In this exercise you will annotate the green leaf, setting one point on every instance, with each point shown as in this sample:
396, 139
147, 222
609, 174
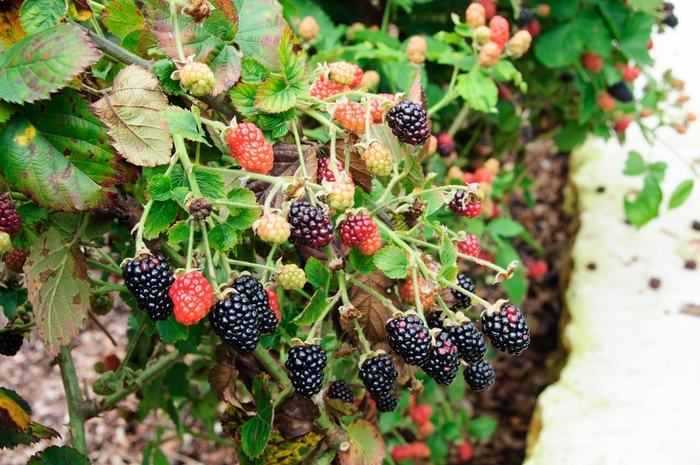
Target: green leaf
646, 205
317, 273
313, 310
158, 187
571, 136
56, 455
58, 288
177, 380
132, 113
515, 287
244, 219
587, 104
223, 237
240, 195
275, 123
680, 194
256, 431
657, 170
171, 331
159, 458
179, 232
253, 72
292, 60
598, 39
564, 9
36, 66
361, 262
163, 69
10, 299
448, 252
183, 122
647, 6
504, 227
615, 14
635, 164
211, 184
243, 98
483, 427
161, 216
122, 17
261, 24
227, 69
448, 272
636, 36
275, 95
560, 46
392, 261
37, 15
478, 90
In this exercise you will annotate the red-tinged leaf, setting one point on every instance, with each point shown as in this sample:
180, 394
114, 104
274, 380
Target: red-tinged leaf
121, 17
358, 169
373, 313
260, 31
229, 10
36, 66
366, 445
59, 289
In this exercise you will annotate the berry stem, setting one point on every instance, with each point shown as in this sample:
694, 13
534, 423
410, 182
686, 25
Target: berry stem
363, 340
74, 398
102, 266
106, 288
416, 298
271, 365
247, 174
297, 141
207, 251
386, 15
176, 31
320, 118
132, 345
322, 316
446, 283
268, 262
516, 8
449, 96
476, 260
459, 119
450, 314
228, 203
374, 294
249, 264
190, 247
149, 374
334, 164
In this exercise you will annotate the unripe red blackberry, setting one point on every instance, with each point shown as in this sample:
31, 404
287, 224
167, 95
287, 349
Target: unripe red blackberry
378, 375
10, 221
470, 342
360, 231
251, 288
305, 366
469, 246
149, 281
480, 376
340, 390
409, 338
506, 329
409, 123
10, 343
443, 362
235, 321
309, 225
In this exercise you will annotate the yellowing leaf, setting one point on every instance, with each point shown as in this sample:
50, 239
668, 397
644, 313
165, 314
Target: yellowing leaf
132, 113
10, 26
58, 288
366, 445
13, 416
15, 425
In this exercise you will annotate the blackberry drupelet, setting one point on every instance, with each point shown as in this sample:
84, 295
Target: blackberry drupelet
251, 288
463, 301
443, 363
10, 221
507, 330
525, 18
235, 321
340, 390
480, 376
305, 366
387, 404
470, 342
10, 343
309, 225
435, 320
409, 338
378, 375
149, 280
409, 123
621, 92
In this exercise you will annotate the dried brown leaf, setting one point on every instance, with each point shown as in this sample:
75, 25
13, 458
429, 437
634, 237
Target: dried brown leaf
691, 309
360, 174
222, 377
373, 313
296, 416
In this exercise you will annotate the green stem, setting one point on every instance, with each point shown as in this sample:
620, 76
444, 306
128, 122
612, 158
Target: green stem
319, 117
176, 31
443, 102
105, 288
302, 162
269, 261
416, 298
74, 399
207, 252
459, 119
322, 316
457, 288
476, 260
246, 174
386, 15
190, 248
102, 266
283, 395
148, 375
361, 336
450, 314
271, 365
229, 203
250, 264
132, 345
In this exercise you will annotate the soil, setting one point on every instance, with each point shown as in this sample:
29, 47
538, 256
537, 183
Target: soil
33, 374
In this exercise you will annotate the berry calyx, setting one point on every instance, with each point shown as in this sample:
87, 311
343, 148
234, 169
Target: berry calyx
309, 225
197, 78
409, 123
360, 231
149, 280
465, 208
10, 221
192, 295
378, 159
248, 145
506, 329
408, 337
273, 228
305, 367
469, 246
352, 116
291, 277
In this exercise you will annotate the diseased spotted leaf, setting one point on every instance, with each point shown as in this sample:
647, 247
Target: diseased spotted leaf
366, 445
58, 288
36, 66
132, 113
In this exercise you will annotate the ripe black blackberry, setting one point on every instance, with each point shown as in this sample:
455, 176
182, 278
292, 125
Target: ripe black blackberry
435, 320
480, 376
378, 375
387, 404
309, 225
409, 338
340, 390
251, 288
10, 343
10, 221
506, 329
470, 342
443, 363
621, 92
149, 280
671, 20
526, 17
305, 367
235, 321
409, 122
463, 301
